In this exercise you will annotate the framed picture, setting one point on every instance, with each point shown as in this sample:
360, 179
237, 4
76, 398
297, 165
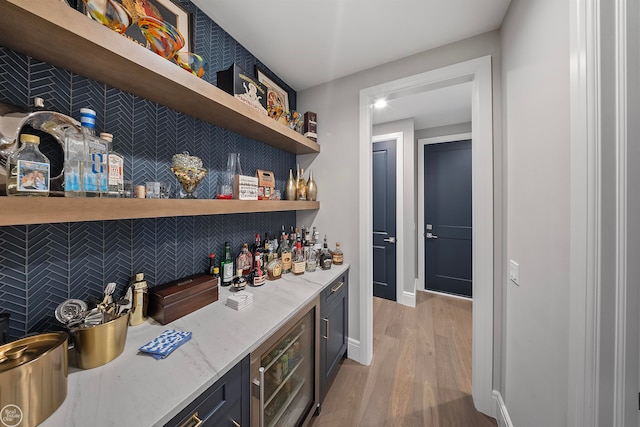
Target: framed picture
165, 10
276, 96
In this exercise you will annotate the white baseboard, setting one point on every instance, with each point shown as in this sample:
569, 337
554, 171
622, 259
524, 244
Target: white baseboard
501, 412
353, 350
408, 299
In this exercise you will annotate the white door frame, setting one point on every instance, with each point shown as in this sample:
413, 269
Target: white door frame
477, 71
421, 226
398, 137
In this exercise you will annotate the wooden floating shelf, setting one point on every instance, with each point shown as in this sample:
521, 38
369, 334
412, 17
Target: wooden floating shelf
45, 210
51, 32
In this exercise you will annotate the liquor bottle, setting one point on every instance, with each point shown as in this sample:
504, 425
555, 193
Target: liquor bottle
274, 269
257, 250
212, 264
325, 256
28, 169
244, 261
227, 265
284, 253
337, 257
115, 164
298, 263
259, 275
73, 163
95, 156
311, 258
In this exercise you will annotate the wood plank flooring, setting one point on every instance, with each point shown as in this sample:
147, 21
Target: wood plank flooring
420, 375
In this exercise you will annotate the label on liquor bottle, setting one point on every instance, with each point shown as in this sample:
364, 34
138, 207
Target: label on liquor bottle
298, 267
116, 170
337, 259
33, 177
227, 273
286, 261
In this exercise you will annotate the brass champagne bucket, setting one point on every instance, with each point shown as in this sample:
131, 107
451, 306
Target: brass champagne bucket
33, 378
97, 345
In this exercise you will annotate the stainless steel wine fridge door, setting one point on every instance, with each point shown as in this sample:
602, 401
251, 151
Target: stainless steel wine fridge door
285, 373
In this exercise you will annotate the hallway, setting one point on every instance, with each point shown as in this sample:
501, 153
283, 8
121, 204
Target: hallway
420, 374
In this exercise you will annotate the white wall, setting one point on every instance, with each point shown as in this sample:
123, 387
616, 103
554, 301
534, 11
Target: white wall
443, 130
336, 169
535, 83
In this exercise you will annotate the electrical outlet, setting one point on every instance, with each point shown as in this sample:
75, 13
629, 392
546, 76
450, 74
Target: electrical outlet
514, 272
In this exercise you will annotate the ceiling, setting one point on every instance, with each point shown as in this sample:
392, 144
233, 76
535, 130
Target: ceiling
439, 107
310, 42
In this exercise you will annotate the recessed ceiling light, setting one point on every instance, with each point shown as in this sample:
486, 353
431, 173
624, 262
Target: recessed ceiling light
380, 103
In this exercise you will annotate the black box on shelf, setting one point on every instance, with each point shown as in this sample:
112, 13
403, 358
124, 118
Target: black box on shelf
243, 86
310, 127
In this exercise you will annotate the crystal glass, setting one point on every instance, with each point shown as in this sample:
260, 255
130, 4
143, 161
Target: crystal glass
109, 13
189, 178
164, 39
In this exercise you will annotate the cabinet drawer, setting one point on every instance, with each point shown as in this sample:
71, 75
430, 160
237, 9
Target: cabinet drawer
335, 290
218, 402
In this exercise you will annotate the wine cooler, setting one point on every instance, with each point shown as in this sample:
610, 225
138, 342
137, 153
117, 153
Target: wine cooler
285, 373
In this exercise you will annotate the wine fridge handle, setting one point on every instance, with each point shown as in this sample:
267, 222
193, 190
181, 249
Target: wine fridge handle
326, 328
261, 370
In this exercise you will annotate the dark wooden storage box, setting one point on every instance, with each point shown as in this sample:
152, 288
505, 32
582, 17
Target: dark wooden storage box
171, 301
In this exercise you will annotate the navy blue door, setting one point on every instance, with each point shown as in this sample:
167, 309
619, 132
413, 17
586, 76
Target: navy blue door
384, 219
447, 211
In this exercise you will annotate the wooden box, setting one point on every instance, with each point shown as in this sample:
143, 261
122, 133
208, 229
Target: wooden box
245, 187
310, 126
171, 301
266, 184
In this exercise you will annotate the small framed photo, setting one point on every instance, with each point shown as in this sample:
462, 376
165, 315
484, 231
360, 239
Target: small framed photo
276, 96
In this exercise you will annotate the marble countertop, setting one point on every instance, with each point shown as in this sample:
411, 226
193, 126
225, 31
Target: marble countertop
137, 390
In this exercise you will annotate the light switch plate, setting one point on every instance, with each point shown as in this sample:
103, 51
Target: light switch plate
514, 272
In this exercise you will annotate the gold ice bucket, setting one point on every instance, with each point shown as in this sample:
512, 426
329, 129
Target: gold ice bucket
33, 379
97, 345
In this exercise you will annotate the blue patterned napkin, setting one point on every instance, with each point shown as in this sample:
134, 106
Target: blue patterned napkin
162, 346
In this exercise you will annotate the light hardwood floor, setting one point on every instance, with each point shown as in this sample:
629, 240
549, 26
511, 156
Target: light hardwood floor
420, 374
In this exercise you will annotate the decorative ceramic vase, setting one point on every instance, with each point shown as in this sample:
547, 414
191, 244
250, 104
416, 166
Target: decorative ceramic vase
312, 188
291, 189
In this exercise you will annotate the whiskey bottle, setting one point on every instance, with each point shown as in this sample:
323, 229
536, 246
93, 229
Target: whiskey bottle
284, 253
337, 256
28, 169
115, 166
325, 256
244, 261
298, 264
226, 264
258, 250
259, 275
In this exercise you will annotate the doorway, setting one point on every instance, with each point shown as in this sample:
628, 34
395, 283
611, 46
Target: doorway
445, 214
477, 71
384, 219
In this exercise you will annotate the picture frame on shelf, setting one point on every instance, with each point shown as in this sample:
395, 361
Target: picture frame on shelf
276, 96
167, 10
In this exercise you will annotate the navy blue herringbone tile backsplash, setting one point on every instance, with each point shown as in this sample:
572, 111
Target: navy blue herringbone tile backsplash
42, 265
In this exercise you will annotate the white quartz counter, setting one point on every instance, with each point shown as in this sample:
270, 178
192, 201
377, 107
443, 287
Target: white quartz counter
137, 390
